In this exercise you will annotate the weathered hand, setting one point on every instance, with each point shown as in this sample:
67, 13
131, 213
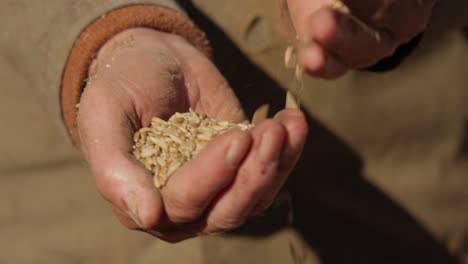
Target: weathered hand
357, 35
143, 73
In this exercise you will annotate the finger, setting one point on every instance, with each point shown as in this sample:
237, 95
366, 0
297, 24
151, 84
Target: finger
312, 58
208, 90
317, 62
255, 176
402, 19
106, 136
295, 123
354, 43
191, 189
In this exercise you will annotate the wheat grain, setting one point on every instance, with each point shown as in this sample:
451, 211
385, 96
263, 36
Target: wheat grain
166, 146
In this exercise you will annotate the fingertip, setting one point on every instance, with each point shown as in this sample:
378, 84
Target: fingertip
317, 62
312, 59
294, 120
293, 113
297, 129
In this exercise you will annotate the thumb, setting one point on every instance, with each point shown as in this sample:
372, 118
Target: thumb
106, 134
209, 91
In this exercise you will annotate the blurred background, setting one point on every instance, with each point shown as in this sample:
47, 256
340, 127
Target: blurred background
383, 177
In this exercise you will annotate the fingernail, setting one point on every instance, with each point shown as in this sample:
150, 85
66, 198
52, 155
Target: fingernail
132, 208
236, 151
266, 150
155, 233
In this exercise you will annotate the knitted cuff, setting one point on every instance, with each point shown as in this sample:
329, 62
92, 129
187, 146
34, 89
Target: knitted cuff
104, 28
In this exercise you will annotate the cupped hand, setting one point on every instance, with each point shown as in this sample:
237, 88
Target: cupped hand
142, 73
334, 37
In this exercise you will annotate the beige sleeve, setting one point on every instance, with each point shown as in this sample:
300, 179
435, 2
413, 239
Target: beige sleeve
54, 41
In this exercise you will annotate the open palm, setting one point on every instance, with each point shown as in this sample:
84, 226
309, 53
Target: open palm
142, 73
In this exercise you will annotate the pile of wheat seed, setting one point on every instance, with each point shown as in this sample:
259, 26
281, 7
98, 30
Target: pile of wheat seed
167, 145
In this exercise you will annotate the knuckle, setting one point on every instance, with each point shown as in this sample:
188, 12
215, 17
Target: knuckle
262, 178
255, 180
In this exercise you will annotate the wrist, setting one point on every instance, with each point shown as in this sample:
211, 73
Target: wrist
136, 43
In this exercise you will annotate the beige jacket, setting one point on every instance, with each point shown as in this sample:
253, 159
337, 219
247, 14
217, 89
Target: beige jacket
382, 180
